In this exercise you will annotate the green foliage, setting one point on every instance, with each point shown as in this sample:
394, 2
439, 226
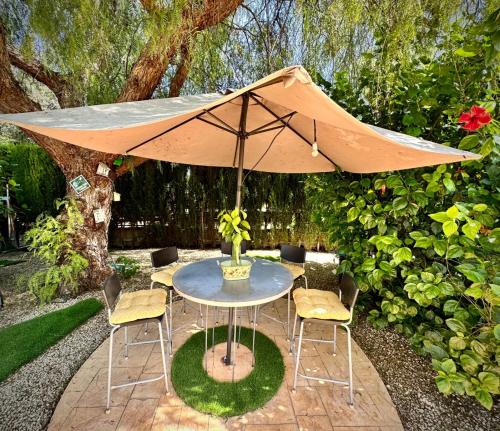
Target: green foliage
126, 266
51, 239
234, 227
424, 242
25, 341
39, 180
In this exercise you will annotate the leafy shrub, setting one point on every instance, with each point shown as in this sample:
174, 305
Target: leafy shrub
126, 266
424, 242
50, 239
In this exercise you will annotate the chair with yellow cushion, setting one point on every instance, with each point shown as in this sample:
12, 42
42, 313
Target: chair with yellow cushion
129, 309
294, 258
165, 263
325, 306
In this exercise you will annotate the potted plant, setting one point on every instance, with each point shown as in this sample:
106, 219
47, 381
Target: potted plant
234, 228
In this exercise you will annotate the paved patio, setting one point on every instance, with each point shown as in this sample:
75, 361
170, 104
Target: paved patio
314, 406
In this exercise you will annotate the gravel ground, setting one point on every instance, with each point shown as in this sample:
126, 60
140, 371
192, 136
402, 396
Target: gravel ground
28, 398
409, 379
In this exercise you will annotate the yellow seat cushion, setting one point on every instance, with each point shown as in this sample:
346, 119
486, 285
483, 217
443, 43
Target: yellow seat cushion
319, 304
165, 275
142, 304
296, 270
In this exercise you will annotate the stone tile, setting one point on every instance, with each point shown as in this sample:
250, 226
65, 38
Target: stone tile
154, 389
278, 427
216, 424
82, 379
93, 418
191, 420
166, 418
223, 373
313, 366
96, 393
358, 429
306, 401
277, 411
66, 404
314, 423
138, 415
363, 413
137, 356
154, 364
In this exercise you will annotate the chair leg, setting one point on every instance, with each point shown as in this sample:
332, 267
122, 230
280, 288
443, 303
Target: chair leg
170, 328
216, 323
297, 359
288, 317
349, 354
110, 360
126, 342
146, 326
334, 340
292, 338
160, 329
206, 339
253, 335
305, 281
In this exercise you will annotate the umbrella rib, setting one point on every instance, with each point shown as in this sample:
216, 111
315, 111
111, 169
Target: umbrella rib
228, 126
260, 129
253, 96
197, 116
217, 125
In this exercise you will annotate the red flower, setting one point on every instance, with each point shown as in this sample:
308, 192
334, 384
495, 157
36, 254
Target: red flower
476, 118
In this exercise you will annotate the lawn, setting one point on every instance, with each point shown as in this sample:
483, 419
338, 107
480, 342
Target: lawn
25, 341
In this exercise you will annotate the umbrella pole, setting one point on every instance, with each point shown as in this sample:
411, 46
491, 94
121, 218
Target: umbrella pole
242, 136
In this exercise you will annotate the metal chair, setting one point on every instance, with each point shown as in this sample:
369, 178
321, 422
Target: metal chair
294, 258
129, 309
227, 247
164, 265
324, 306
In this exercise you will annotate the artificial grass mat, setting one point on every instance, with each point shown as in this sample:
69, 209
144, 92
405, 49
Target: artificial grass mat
25, 341
198, 390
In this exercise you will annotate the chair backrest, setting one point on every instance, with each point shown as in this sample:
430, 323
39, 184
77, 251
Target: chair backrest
164, 257
292, 253
349, 290
112, 289
227, 247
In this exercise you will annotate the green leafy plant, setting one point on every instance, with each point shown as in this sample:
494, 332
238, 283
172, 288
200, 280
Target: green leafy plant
126, 266
423, 243
234, 228
51, 240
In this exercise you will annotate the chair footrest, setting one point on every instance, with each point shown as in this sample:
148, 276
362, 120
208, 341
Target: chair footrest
138, 382
339, 382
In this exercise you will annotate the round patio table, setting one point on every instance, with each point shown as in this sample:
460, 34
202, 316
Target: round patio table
202, 282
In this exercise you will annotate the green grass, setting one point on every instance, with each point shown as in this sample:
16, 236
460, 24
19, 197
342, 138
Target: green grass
200, 391
4, 262
25, 341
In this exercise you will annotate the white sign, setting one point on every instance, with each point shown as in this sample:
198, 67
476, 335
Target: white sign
103, 170
99, 215
117, 197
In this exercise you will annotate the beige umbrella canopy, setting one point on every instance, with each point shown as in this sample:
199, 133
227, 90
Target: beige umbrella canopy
278, 119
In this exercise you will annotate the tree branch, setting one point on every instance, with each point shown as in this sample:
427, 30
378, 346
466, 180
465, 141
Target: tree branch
148, 70
54, 81
181, 72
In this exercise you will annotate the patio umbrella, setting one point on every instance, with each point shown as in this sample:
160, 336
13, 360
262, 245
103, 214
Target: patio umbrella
281, 123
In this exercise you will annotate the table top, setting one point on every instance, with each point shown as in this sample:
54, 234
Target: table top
202, 282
